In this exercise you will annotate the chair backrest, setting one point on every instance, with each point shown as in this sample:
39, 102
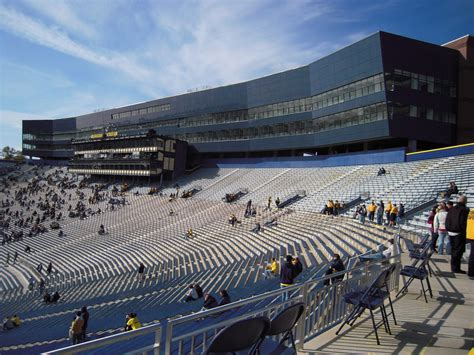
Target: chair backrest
375, 286
286, 319
391, 270
239, 336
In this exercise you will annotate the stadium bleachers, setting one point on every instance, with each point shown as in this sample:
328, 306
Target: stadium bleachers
100, 270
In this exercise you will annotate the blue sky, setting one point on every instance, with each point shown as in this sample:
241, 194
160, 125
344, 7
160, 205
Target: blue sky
62, 58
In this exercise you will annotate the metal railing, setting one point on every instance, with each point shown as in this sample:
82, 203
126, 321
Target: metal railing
191, 334
102, 343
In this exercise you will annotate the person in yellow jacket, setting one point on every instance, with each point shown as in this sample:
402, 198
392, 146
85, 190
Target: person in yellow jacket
16, 320
393, 215
388, 209
470, 240
371, 209
132, 322
272, 269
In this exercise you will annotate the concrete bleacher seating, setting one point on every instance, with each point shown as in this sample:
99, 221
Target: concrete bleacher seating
100, 270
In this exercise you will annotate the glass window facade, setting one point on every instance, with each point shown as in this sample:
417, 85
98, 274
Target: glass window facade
420, 82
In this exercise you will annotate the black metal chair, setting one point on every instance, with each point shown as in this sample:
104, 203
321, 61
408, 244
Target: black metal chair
243, 335
285, 321
419, 272
370, 298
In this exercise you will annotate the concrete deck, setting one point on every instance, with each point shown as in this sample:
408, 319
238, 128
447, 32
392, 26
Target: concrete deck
444, 325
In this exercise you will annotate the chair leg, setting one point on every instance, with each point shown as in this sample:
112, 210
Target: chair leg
405, 286
293, 341
384, 320
391, 309
356, 316
429, 287
347, 319
424, 292
375, 326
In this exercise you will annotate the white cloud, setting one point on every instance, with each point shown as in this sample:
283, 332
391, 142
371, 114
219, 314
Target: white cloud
12, 119
37, 32
63, 15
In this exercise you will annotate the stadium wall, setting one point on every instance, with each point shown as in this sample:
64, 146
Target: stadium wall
396, 155
441, 152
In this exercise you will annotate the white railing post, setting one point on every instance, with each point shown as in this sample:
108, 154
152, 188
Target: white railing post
301, 329
156, 347
169, 337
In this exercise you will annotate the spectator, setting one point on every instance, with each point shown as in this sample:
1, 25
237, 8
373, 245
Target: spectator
209, 302
8, 323
269, 203
199, 291
192, 294
393, 215
336, 266
15, 257
189, 234
47, 298
27, 249
277, 202
141, 272
31, 283
257, 228
381, 171
298, 266
430, 221
439, 228
456, 225
55, 298
379, 213
362, 213
371, 211
75, 332
271, 270
50, 267
388, 209
101, 229
401, 213
452, 190
389, 252
132, 322
225, 298
287, 275
337, 207
8, 258
85, 317
470, 240
16, 321
41, 285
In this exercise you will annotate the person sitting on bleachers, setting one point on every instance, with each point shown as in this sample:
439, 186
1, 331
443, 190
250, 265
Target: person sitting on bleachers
225, 298
336, 266
55, 298
337, 208
209, 302
47, 298
257, 228
381, 171
452, 190
199, 291
271, 223
8, 323
189, 234
298, 266
16, 321
271, 270
132, 322
389, 252
101, 230
192, 294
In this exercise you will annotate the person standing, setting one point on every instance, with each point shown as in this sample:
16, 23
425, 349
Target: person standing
379, 213
75, 332
456, 225
287, 275
85, 318
8, 258
470, 240
141, 272
371, 209
439, 226
15, 257
50, 267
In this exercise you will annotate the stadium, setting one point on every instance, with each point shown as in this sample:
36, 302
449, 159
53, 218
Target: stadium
294, 213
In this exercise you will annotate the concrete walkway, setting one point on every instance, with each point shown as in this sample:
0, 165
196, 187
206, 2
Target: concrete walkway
444, 325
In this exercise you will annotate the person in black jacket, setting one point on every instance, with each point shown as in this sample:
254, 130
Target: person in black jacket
85, 317
209, 302
287, 275
456, 225
336, 266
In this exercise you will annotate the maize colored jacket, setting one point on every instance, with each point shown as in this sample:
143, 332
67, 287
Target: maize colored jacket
371, 208
134, 323
470, 225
